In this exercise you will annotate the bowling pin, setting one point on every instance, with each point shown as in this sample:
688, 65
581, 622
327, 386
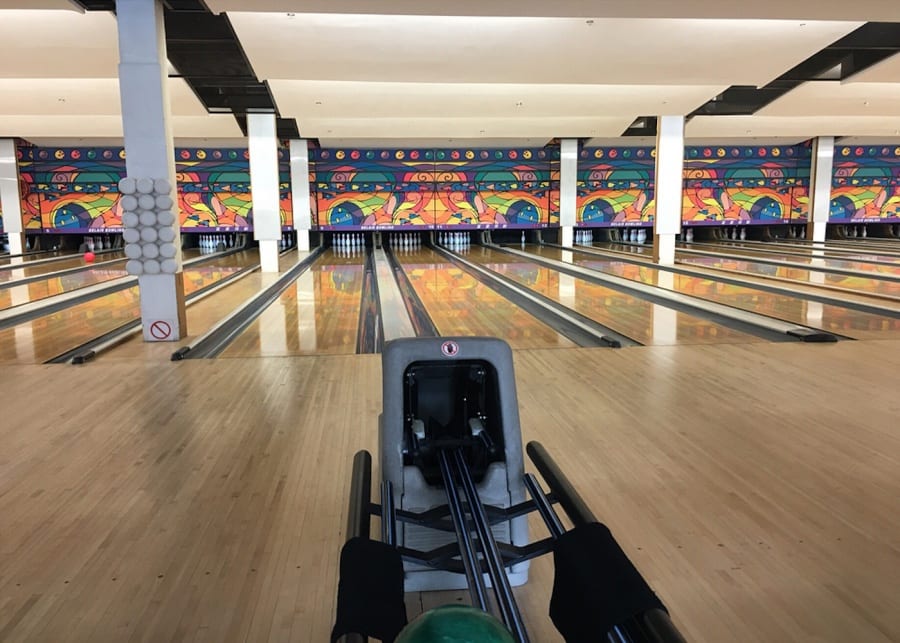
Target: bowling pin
743, 234
865, 232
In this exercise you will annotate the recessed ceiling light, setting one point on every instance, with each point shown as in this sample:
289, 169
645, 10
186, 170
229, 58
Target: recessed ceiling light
482, 132
519, 104
589, 22
61, 100
291, 15
318, 102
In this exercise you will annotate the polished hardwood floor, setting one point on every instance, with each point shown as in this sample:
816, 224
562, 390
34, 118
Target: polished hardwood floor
755, 485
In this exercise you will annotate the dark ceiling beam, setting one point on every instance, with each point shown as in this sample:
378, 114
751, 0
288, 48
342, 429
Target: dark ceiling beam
207, 54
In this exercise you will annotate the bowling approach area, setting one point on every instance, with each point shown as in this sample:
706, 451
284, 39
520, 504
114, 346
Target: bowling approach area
730, 419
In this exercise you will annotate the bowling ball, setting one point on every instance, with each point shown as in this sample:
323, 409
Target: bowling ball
455, 624
89, 257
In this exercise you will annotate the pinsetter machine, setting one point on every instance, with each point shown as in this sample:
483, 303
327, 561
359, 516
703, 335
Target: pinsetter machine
455, 500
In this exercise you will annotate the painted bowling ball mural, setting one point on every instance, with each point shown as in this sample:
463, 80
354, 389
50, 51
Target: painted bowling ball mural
766, 209
523, 212
345, 214
599, 210
71, 215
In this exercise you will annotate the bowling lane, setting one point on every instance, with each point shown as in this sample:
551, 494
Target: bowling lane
812, 277
643, 321
10, 273
774, 248
204, 314
459, 304
50, 335
835, 319
827, 262
17, 295
317, 314
7, 259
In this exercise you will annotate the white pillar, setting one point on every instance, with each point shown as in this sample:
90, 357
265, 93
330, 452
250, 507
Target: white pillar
820, 180
300, 196
669, 186
10, 198
568, 176
152, 223
263, 144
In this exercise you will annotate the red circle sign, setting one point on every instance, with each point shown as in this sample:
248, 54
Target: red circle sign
160, 330
450, 349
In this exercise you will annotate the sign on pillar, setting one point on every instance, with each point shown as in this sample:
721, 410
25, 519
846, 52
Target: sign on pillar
669, 182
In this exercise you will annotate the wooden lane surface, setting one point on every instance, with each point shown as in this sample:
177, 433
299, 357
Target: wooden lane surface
318, 313
206, 500
76, 261
202, 315
834, 319
827, 262
815, 286
626, 314
51, 286
842, 254
50, 335
6, 259
459, 304
802, 275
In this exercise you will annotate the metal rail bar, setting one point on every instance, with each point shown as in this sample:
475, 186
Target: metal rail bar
544, 507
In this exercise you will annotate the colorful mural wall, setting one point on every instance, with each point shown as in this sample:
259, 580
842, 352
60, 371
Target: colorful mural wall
721, 184
471, 188
866, 185
76, 189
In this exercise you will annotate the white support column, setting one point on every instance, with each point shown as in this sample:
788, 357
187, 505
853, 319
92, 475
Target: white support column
568, 175
820, 180
10, 198
300, 196
149, 209
263, 144
669, 187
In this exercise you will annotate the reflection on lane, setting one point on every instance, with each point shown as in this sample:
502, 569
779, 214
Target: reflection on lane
793, 252
812, 277
317, 314
834, 319
11, 273
52, 286
459, 304
50, 335
826, 262
641, 320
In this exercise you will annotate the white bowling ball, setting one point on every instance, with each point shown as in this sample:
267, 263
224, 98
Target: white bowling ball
127, 185
130, 220
150, 251
133, 251
151, 267
146, 202
148, 218
145, 186
165, 217
162, 186
149, 235
167, 250
169, 266
131, 235
129, 202
134, 267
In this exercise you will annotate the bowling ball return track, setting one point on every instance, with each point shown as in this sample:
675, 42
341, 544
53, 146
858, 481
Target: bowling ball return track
454, 509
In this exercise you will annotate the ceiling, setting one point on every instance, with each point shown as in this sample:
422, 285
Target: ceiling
484, 72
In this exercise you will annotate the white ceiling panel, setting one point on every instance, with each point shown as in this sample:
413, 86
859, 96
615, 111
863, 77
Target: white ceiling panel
722, 127
106, 126
881, 10
437, 128
832, 98
887, 71
58, 44
344, 99
82, 96
306, 46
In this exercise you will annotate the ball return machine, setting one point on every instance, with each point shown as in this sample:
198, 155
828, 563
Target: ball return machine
455, 500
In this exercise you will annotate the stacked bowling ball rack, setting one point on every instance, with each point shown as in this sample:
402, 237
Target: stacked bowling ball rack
460, 448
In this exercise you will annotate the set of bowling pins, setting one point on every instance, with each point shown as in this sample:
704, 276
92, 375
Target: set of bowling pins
688, 235
287, 240
736, 234
797, 232
209, 242
584, 237
405, 240
454, 239
636, 235
349, 240
97, 243
857, 231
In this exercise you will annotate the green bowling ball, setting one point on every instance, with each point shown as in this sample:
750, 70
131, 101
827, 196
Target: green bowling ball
455, 624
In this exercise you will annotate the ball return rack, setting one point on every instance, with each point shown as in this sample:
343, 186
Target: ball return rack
454, 510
